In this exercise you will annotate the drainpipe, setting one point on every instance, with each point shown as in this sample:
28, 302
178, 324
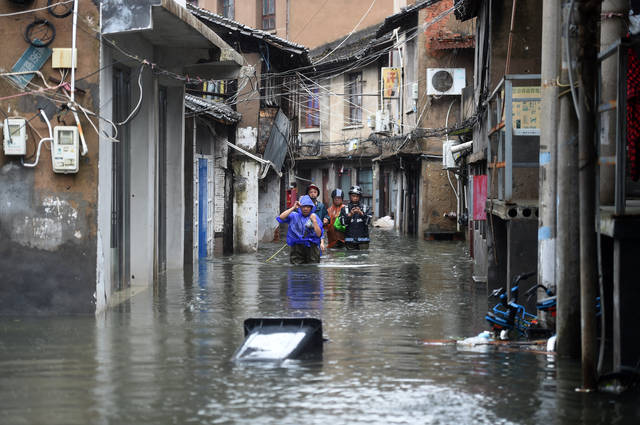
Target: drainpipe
550, 68
612, 28
568, 259
590, 14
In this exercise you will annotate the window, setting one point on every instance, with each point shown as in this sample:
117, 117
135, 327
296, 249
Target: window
268, 14
226, 8
311, 109
353, 107
365, 181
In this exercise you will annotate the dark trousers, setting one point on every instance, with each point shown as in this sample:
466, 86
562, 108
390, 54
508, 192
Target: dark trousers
361, 245
300, 254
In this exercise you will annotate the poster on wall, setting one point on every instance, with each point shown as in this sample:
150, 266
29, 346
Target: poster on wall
391, 80
479, 197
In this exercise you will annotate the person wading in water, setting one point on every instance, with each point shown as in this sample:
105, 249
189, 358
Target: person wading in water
335, 230
355, 217
321, 211
304, 233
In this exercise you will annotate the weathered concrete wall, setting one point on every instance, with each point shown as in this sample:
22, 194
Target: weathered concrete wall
436, 196
246, 198
308, 25
250, 108
245, 217
175, 177
268, 207
48, 221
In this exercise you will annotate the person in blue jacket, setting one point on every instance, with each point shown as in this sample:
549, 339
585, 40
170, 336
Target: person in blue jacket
305, 231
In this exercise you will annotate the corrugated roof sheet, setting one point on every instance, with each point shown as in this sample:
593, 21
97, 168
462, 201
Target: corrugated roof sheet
246, 30
218, 110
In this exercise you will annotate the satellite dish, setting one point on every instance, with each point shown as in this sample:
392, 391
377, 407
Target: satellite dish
442, 81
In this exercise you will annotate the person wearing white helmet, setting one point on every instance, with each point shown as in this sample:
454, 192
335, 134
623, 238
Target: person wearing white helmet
356, 217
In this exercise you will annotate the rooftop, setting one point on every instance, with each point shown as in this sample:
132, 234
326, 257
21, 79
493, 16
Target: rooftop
219, 111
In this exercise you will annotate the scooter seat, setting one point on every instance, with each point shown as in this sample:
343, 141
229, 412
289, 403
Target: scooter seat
546, 303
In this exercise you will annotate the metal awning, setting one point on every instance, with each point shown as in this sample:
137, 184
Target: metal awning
163, 23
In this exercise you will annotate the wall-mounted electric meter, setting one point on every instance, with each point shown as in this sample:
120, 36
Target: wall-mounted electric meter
65, 152
15, 136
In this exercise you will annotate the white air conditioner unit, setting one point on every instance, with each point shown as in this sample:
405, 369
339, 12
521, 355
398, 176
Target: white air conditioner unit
445, 81
383, 122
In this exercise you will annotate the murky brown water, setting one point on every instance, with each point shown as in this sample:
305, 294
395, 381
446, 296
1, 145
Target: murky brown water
164, 357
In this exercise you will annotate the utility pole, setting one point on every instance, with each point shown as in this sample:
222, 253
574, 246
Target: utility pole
589, 11
551, 13
612, 28
568, 240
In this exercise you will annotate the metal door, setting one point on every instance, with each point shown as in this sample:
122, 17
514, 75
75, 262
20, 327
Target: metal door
202, 207
162, 181
120, 183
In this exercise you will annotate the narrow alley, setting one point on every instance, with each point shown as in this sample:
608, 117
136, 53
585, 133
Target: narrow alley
164, 356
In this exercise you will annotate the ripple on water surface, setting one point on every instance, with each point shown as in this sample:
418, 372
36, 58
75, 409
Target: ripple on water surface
164, 356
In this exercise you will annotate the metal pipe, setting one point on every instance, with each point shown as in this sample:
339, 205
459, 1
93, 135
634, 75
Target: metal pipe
589, 11
612, 28
568, 261
548, 142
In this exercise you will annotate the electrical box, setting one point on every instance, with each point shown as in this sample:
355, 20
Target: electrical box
15, 136
61, 57
65, 152
383, 122
448, 160
414, 91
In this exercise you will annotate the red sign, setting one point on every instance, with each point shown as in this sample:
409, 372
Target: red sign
479, 197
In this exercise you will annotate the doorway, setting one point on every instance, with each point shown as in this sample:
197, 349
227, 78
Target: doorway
121, 183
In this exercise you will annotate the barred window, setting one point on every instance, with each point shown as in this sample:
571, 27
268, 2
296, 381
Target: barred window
353, 91
311, 108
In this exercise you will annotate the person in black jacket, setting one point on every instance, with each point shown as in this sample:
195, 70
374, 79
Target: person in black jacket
355, 217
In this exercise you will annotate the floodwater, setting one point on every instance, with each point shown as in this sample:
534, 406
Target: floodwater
164, 357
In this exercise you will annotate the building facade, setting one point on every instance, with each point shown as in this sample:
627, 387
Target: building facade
105, 215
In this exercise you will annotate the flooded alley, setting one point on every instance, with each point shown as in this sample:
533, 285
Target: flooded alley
164, 356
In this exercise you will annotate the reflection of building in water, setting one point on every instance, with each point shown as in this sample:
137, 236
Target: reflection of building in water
305, 289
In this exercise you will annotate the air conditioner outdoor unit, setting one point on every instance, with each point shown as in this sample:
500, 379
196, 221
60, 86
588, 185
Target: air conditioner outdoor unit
383, 123
445, 81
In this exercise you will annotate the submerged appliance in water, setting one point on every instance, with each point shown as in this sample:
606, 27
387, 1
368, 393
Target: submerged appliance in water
280, 339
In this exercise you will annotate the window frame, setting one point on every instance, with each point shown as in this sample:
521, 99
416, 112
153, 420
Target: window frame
268, 15
311, 109
227, 8
353, 104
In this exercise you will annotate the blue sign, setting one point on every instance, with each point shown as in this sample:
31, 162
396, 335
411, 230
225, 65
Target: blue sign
31, 60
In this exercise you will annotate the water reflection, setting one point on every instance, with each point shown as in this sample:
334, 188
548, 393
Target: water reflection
165, 355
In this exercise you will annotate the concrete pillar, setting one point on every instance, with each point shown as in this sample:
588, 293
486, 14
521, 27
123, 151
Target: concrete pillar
245, 193
612, 27
522, 246
568, 242
497, 255
548, 142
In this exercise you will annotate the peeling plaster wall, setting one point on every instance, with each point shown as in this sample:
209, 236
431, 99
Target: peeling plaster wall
47, 220
268, 207
245, 193
175, 178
